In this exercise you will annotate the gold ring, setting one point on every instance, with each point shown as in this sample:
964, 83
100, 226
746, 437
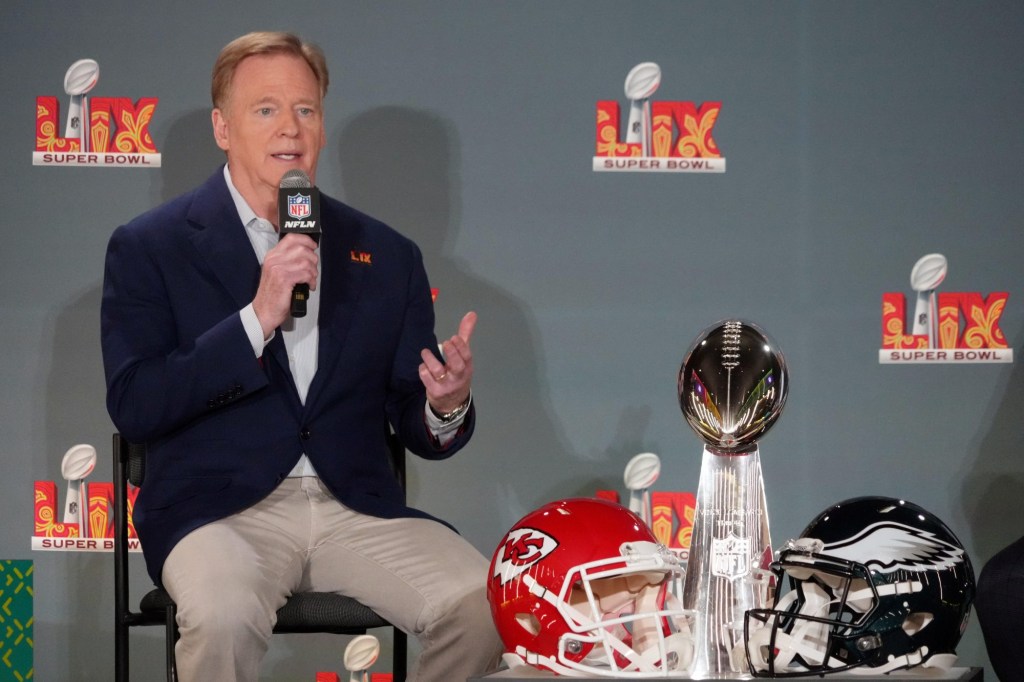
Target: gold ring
441, 378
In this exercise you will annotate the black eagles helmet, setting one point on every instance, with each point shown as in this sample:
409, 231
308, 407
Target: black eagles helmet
873, 582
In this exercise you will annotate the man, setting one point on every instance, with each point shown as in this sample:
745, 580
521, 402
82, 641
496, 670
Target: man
1000, 604
267, 466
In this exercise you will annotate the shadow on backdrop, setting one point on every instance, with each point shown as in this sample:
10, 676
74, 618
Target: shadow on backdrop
75, 377
189, 155
403, 166
76, 413
992, 485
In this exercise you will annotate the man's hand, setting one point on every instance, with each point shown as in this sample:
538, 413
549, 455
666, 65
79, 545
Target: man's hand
292, 261
448, 383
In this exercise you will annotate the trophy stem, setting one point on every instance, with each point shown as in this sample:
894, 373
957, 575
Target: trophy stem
731, 545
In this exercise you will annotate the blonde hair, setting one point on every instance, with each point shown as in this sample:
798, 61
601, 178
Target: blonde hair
264, 42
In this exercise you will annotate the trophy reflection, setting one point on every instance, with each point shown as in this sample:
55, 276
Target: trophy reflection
732, 387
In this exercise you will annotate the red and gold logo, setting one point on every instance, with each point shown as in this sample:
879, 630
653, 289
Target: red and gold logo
520, 550
98, 131
672, 517
49, 534
947, 327
661, 136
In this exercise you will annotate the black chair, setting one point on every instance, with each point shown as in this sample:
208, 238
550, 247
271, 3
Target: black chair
304, 612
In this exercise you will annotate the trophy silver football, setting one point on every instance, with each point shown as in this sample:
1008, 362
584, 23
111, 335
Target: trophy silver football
732, 387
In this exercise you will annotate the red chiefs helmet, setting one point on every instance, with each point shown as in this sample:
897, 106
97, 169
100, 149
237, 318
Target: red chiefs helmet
581, 587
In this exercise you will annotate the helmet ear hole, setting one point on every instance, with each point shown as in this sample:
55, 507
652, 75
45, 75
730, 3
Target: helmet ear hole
916, 622
528, 622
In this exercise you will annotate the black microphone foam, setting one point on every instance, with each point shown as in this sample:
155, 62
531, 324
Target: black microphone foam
298, 207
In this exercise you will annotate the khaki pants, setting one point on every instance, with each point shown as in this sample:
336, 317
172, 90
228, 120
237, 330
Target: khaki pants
230, 577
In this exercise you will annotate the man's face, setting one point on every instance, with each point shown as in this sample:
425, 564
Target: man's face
272, 122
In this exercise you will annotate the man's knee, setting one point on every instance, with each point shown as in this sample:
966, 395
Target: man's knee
472, 615
226, 616
475, 608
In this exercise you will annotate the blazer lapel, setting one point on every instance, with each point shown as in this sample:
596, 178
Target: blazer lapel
221, 242
342, 284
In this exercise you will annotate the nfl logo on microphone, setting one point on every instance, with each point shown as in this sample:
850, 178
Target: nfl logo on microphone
299, 206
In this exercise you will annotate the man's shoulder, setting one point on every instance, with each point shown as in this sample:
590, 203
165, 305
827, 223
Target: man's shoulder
176, 211
339, 210
359, 224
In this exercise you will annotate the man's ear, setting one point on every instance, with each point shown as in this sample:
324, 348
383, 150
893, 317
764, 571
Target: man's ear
220, 129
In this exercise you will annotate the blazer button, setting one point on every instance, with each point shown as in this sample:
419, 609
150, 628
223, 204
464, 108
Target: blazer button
305, 434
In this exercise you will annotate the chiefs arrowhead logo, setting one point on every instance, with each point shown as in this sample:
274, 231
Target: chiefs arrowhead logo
522, 548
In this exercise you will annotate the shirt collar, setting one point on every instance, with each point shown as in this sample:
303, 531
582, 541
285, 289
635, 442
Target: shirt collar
245, 212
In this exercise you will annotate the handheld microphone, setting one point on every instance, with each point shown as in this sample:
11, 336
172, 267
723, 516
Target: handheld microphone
298, 210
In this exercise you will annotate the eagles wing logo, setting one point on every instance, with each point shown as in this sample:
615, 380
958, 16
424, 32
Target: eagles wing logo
888, 547
523, 547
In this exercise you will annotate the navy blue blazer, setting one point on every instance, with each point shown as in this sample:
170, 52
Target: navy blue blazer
222, 427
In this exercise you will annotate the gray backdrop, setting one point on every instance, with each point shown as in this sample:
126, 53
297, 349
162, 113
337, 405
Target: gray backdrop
858, 137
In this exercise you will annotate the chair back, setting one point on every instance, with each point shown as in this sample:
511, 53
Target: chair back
304, 612
136, 464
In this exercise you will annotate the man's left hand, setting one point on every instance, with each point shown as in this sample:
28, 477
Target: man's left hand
448, 383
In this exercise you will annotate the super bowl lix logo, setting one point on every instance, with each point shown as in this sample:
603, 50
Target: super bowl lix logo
947, 327
98, 131
661, 136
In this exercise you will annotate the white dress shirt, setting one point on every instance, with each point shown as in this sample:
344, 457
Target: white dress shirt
301, 335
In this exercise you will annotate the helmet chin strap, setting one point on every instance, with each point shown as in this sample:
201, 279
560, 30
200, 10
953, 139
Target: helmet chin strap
647, 632
894, 663
651, 650
678, 644
809, 639
524, 658
648, 657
